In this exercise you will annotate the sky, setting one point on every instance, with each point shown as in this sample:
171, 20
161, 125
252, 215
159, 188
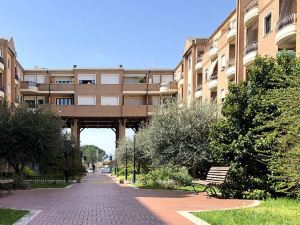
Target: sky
107, 33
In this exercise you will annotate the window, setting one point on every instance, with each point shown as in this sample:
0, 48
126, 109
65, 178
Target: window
156, 79
0, 52
64, 82
40, 101
86, 100
8, 64
223, 62
167, 78
206, 75
86, 78
40, 79
133, 101
190, 63
110, 78
109, 100
30, 103
268, 23
155, 100
64, 101
222, 94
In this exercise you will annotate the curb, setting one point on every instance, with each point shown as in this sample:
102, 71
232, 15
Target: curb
28, 217
196, 220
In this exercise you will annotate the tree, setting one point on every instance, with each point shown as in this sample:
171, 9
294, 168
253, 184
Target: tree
92, 153
179, 135
256, 113
29, 136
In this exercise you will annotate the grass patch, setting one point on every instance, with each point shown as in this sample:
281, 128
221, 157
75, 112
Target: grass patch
48, 185
271, 212
10, 216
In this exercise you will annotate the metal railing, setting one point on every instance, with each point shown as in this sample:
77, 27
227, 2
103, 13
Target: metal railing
199, 87
199, 59
231, 62
251, 5
289, 19
214, 76
32, 84
251, 47
45, 179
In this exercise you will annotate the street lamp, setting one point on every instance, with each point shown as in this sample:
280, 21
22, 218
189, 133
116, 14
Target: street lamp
73, 161
134, 172
126, 163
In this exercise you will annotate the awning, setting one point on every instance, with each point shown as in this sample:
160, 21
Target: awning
212, 67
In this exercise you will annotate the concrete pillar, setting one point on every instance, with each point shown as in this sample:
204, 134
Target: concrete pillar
120, 131
75, 132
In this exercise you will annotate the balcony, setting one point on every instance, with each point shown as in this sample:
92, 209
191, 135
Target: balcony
1, 64
286, 31
198, 92
134, 111
230, 71
1, 92
213, 51
199, 64
168, 88
29, 87
137, 88
93, 111
250, 53
231, 33
251, 12
213, 82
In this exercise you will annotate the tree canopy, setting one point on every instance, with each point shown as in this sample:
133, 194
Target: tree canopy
28, 135
259, 135
92, 153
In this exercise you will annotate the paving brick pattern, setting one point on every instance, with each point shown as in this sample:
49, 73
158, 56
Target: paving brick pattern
99, 200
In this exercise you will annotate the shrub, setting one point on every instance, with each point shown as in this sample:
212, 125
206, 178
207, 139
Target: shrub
166, 184
179, 175
257, 194
28, 172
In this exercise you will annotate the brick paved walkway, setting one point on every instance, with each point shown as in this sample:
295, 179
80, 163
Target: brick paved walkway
99, 200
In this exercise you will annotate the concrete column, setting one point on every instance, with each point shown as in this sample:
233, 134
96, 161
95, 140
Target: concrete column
75, 131
120, 131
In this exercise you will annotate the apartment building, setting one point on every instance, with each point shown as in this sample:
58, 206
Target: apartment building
99, 97
264, 28
255, 27
10, 71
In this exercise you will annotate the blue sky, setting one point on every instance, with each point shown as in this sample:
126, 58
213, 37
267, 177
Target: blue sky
107, 33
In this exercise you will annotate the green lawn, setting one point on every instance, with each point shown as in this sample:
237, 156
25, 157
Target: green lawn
49, 185
271, 212
186, 188
10, 216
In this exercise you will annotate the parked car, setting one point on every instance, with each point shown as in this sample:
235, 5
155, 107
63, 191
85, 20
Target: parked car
105, 170
90, 170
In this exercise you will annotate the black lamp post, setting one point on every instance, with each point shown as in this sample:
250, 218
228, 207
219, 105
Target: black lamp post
73, 161
126, 164
134, 172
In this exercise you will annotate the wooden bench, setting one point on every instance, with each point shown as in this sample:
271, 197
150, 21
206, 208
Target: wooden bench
215, 179
6, 185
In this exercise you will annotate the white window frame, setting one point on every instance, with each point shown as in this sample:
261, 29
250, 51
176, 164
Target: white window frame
110, 96
103, 81
85, 96
93, 76
154, 77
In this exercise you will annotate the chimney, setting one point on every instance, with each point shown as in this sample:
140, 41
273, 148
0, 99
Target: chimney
120, 66
74, 66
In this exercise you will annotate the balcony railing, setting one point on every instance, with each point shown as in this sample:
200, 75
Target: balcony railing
32, 84
251, 47
199, 59
214, 76
251, 5
287, 20
199, 87
231, 62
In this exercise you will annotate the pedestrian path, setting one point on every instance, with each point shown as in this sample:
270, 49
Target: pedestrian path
100, 200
